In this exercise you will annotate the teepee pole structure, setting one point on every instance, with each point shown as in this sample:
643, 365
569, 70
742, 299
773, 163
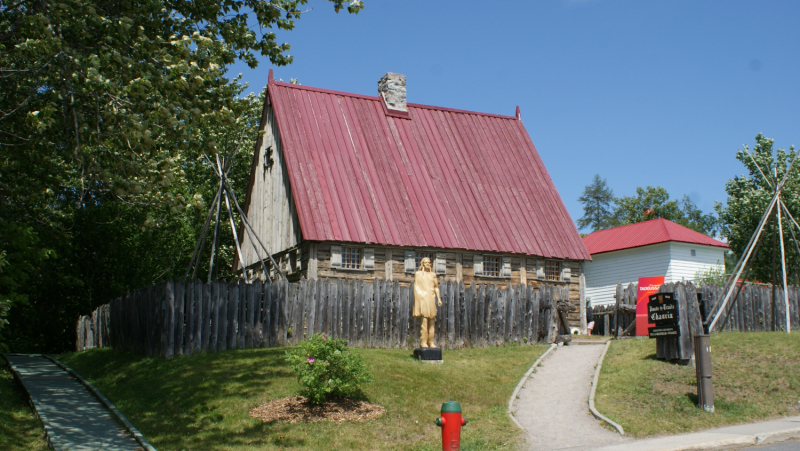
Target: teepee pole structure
221, 168
743, 265
783, 270
214, 241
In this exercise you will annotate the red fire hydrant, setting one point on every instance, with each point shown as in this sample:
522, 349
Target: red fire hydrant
451, 422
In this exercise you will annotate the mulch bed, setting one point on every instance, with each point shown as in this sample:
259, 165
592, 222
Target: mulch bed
295, 408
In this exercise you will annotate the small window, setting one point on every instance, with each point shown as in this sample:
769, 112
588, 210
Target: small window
694, 253
351, 258
491, 266
552, 270
420, 255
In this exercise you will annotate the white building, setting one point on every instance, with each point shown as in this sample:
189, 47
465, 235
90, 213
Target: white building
647, 249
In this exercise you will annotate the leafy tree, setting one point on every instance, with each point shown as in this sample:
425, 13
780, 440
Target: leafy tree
654, 202
693, 218
106, 110
598, 203
648, 203
748, 198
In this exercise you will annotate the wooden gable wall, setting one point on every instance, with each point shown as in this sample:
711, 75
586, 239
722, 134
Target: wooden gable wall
270, 207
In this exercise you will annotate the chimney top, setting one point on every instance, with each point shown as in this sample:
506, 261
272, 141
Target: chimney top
392, 88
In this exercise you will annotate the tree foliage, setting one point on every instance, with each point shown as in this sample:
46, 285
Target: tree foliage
106, 110
654, 202
749, 196
598, 205
602, 210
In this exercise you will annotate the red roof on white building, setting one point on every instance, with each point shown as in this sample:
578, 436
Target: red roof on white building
439, 177
644, 234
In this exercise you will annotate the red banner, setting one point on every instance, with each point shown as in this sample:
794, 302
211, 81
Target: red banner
647, 286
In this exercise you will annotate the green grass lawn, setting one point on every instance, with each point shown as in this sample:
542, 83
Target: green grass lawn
202, 402
19, 427
756, 376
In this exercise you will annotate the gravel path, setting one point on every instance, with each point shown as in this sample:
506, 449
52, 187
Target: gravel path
553, 405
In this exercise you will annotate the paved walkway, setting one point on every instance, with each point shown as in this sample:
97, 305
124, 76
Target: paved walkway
553, 405
553, 408
74, 419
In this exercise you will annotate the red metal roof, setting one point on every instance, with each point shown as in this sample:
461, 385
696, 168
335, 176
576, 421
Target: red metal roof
440, 178
643, 234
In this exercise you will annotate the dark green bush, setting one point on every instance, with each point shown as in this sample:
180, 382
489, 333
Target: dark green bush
327, 369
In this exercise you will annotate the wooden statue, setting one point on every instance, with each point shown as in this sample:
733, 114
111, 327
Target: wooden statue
426, 293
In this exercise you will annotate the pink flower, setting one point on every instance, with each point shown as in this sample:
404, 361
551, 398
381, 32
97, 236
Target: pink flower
311, 360
324, 336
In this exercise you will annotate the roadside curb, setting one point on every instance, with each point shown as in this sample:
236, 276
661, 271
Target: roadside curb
592, 408
522, 382
725, 438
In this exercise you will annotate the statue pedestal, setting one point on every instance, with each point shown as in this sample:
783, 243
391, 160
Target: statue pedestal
428, 355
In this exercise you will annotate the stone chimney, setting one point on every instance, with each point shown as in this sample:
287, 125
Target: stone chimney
392, 87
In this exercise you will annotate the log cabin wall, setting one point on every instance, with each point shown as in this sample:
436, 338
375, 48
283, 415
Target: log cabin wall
312, 260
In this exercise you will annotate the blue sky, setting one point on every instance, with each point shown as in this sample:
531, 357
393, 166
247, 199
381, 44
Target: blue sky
640, 92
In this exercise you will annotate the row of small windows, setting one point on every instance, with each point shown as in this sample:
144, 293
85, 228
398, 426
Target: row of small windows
357, 258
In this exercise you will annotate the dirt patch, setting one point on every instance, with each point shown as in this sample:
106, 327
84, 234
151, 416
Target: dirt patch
295, 408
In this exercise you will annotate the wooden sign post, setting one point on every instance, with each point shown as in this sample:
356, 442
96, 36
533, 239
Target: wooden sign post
672, 313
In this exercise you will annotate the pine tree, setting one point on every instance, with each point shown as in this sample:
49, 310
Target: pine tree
598, 205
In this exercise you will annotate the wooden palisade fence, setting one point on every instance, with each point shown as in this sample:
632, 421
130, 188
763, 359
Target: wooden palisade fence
616, 319
177, 318
754, 311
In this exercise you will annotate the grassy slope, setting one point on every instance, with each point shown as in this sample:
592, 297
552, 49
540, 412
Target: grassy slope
19, 427
202, 402
756, 376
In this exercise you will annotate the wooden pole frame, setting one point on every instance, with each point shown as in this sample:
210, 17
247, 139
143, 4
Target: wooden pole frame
731, 285
221, 169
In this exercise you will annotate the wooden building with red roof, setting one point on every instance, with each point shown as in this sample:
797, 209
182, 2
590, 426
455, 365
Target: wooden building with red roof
358, 186
655, 248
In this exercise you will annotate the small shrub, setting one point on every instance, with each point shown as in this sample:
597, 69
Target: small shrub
327, 369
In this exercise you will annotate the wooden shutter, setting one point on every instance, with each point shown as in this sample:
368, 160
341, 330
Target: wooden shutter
505, 270
410, 264
540, 269
440, 265
566, 273
477, 264
368, 259
336, 256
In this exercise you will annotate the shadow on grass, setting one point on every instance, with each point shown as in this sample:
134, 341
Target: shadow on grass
19, 427
203, 401
670, 362
199, 396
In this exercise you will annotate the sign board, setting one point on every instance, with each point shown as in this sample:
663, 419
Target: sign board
662, 309
673, 330
647, 286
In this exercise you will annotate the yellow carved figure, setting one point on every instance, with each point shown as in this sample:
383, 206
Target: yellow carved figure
426, 293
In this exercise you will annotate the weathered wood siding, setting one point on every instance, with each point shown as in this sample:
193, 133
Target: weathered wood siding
314, 261
270, 205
